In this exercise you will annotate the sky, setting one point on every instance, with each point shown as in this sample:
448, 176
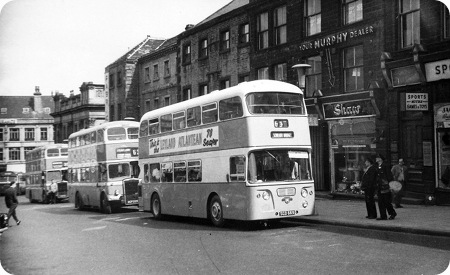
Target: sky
59, 44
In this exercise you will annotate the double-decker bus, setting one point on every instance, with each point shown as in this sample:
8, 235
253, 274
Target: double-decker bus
242, 153
7, 177
103, 166
46, 165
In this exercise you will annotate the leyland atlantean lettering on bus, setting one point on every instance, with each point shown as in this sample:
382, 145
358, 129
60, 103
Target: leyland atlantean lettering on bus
197, 139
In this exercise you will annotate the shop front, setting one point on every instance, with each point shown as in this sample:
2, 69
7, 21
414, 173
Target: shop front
442, 153
354, 135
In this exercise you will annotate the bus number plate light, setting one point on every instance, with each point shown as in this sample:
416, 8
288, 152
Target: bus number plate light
281, 123
282, 134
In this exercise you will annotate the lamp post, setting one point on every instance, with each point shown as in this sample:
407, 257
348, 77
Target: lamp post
301, 74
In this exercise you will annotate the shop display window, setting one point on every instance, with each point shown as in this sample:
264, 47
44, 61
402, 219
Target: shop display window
352, 142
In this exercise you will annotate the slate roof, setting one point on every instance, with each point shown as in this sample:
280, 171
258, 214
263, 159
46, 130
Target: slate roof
15, 105
235, 4
149, 44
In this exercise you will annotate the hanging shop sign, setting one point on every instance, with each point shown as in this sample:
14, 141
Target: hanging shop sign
414, 102
438, 70
337, 38
442, 116
361, 108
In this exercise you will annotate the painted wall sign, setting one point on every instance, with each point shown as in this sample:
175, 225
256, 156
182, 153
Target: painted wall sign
336, 38
348, 109
199, 139
438, 70
416, 102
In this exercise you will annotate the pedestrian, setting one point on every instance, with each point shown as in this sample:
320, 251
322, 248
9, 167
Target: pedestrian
369, 186
11, 202
52, 192
399, 172
384, 176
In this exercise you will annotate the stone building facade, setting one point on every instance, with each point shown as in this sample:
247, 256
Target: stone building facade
25, 123
79, 111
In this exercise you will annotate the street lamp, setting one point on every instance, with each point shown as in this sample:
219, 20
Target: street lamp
301, 74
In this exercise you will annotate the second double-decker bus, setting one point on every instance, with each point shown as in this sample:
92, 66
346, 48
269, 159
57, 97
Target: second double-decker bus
242, 153
103, 166
9, 176
46, 165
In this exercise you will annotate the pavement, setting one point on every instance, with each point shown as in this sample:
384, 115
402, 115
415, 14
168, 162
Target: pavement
421, 219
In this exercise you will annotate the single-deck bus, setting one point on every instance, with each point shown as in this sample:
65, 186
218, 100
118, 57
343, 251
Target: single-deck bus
242, 153
103, 166
46, 165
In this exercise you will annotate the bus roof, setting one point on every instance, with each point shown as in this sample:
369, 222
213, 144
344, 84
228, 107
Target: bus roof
239, 90
51, 146
106, 125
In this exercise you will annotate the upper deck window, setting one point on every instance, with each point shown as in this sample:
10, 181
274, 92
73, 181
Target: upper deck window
53, 152
166, 123
230, 108
193, 116
275, 103
209, 113
179, 121
153, 126
116, 133
64, 152
133, 133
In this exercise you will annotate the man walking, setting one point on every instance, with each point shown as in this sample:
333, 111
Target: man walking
11, 202
399, 173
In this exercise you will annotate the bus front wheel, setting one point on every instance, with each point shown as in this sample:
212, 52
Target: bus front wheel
105, 205
156, 206
215, 212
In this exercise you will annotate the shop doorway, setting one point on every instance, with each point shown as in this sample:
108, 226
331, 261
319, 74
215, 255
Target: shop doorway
411, 152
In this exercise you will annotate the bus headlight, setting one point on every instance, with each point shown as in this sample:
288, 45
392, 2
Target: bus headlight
305, 204
266, 195
304, 192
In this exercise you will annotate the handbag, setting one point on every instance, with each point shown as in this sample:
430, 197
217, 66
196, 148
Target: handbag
395, 186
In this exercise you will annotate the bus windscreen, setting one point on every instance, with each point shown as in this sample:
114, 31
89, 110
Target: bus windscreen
275, 103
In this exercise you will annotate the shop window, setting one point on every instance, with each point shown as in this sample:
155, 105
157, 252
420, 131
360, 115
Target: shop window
409, 22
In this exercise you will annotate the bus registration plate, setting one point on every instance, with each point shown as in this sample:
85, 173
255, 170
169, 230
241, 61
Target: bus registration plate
287, 213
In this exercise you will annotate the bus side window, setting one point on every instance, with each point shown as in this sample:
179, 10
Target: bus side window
153, 126
209, 113
237, 168
94, 137
166, 123
179, 171
143, 128
194, 170
230, 108
166, 172
193, 116
155, 172
179, 121
100, 136
102, 172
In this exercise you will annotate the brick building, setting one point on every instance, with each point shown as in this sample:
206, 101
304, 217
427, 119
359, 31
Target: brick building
158, 78
79, 111
122, 83
214, 54
25, 123
416, 68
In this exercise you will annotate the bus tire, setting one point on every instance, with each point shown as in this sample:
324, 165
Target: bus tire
215, 211
105, 206
156, 206
79, 202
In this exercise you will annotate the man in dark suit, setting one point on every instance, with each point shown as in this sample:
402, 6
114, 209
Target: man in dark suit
369, 185
384, 193
11, 202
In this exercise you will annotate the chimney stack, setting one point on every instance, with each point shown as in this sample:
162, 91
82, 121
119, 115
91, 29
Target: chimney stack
37, 100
